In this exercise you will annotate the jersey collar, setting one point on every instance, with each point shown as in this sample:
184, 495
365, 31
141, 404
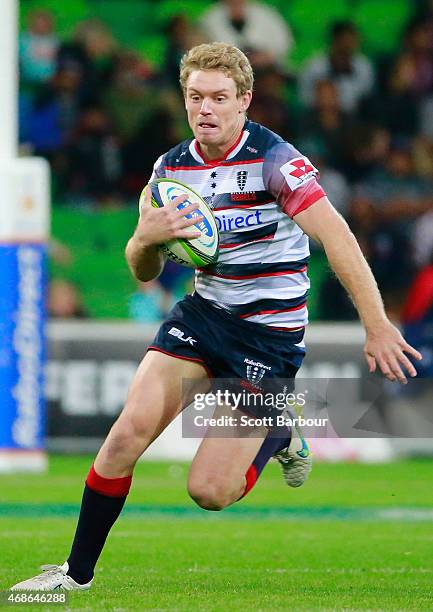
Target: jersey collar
197, 153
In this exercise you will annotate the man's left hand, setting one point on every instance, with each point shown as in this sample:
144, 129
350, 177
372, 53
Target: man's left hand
385, 347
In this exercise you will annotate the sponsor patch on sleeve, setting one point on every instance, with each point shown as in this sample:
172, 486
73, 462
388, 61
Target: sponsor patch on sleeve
298, 171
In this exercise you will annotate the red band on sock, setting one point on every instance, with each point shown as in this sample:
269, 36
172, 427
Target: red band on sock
112, 487
251, 477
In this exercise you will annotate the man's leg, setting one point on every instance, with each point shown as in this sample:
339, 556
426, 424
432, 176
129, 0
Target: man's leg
226, 469
155, 398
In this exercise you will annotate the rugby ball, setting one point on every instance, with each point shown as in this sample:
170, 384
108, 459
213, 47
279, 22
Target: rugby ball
198, 252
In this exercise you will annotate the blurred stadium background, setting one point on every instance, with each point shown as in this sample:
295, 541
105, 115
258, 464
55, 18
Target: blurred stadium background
351, 85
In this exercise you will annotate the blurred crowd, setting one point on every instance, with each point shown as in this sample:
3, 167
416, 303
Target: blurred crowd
102, 113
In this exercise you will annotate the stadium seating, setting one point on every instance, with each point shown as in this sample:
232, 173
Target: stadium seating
129, 21
310, 26
67, 14
140, 23
163, 11
96, 241
381, 23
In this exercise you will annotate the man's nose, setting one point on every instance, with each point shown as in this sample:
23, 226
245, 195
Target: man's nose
205, 107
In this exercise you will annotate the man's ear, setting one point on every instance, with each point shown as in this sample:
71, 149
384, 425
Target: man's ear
245, 101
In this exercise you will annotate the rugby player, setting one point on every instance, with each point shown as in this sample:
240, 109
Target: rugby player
249, 308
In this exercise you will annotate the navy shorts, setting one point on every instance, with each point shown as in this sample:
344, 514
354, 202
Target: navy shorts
229, 347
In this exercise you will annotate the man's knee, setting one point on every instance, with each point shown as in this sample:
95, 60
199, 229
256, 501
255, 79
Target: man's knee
128, 435
213, 494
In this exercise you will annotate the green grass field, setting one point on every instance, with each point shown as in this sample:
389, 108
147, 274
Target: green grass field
355, 537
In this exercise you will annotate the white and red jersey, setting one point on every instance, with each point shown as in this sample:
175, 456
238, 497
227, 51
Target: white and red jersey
255, 191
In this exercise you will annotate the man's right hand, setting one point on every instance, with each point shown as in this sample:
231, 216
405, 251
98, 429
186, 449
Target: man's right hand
158, 225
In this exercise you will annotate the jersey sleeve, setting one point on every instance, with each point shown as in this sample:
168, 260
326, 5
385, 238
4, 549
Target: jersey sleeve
157, 172
291, 178
158, 169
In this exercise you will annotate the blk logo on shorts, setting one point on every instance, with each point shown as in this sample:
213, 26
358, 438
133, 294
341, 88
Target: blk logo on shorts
177, 333
241, 179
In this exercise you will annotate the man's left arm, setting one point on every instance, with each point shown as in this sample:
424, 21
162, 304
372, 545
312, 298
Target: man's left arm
385, 346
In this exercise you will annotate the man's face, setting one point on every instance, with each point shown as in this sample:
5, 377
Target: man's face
215, 112
348, 42
41, 23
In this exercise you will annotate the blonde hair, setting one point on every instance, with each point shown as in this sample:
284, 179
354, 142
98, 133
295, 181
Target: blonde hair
218, 56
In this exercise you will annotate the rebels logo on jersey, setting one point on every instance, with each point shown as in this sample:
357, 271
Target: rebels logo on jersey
241, 177
298, 171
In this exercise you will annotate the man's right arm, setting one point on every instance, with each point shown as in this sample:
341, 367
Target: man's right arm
145, 261
156, 226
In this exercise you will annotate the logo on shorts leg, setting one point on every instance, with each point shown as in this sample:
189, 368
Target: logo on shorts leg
256, 370
177, 333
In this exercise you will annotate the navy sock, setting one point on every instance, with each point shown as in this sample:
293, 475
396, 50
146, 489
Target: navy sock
269, 447
103, 500
97, 515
